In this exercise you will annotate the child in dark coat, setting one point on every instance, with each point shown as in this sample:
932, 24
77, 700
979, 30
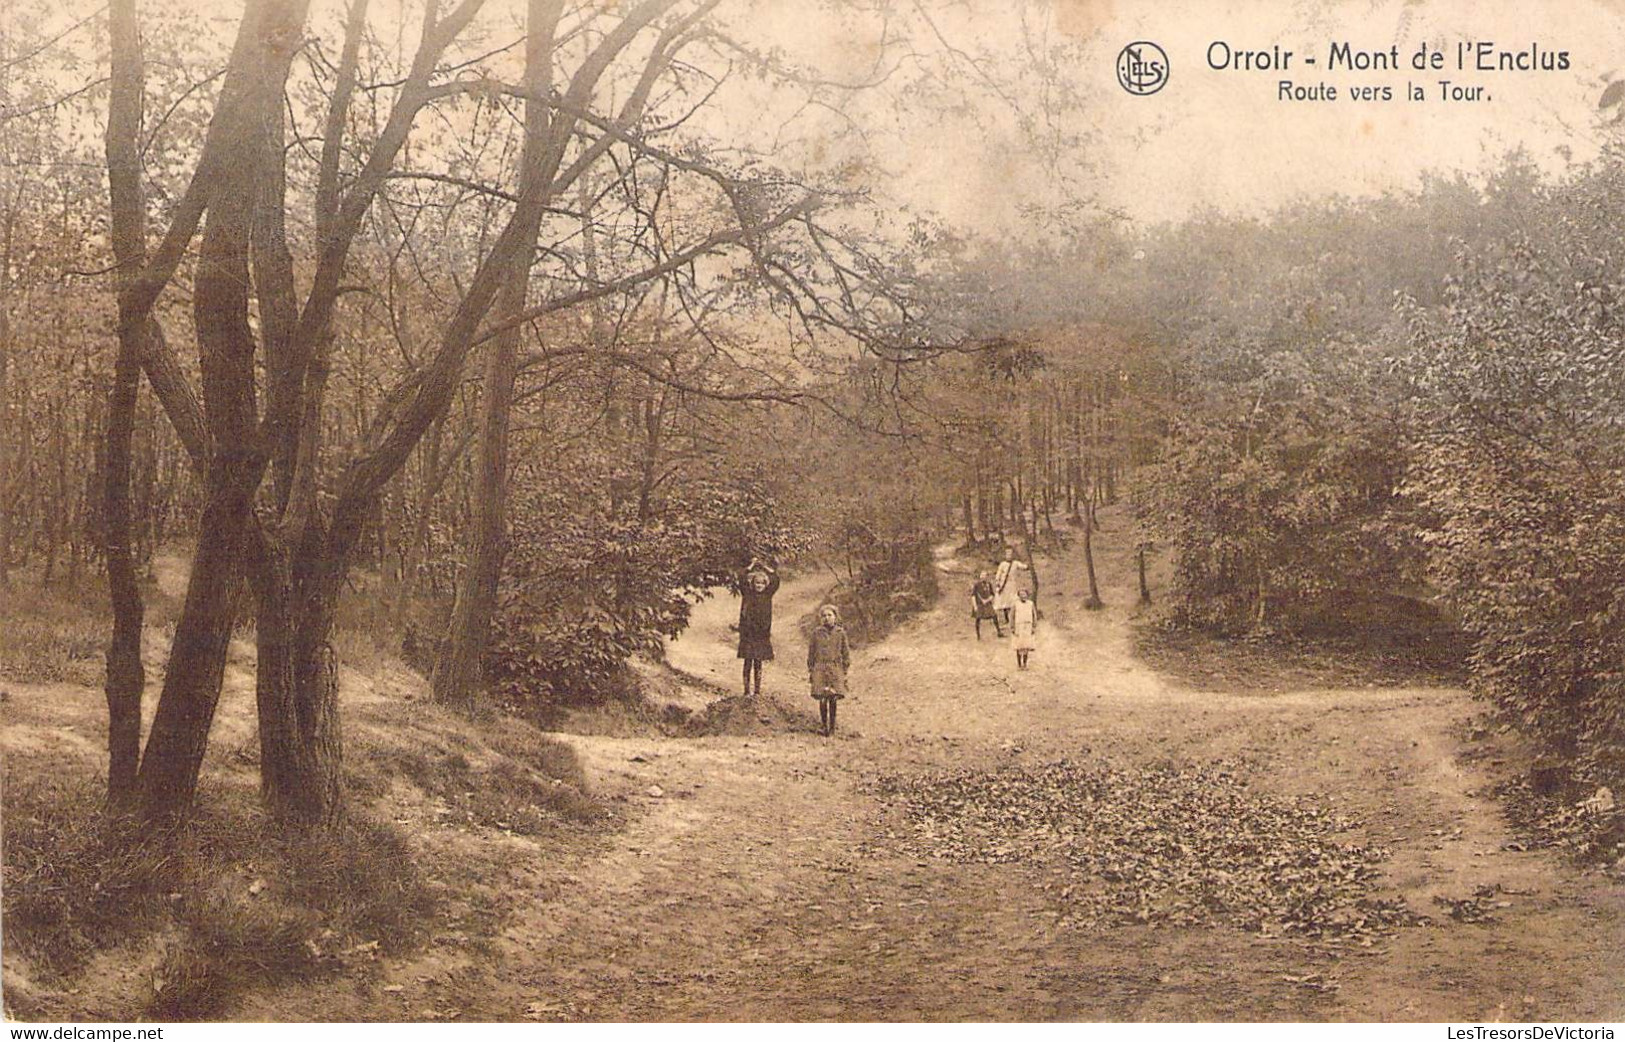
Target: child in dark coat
757, 585
981, 604
828, 658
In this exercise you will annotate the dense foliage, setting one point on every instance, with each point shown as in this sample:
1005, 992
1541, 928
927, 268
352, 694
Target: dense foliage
1365, 418
1276, 491
1459, 443
1520, 459
589, 582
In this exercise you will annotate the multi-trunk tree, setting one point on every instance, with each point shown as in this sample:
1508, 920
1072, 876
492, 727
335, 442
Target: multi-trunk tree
283, 515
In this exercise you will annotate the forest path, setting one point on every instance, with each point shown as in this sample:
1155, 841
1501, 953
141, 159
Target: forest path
767, 880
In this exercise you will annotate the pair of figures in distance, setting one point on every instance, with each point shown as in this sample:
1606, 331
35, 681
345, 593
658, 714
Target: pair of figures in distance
828, 654
1003, 599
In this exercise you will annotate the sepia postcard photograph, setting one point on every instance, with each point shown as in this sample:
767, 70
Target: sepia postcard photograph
579, 512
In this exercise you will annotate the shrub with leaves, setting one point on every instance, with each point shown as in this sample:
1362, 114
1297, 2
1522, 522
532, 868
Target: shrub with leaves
1520, 381
589, 582
890, 587
1276, 490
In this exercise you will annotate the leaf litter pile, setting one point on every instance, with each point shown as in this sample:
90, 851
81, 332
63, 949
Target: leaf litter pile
1173, 845
1588, 831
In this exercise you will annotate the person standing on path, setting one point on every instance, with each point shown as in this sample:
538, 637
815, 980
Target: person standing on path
828, 658
1005, 585
757, 585
1024, 628
981, 604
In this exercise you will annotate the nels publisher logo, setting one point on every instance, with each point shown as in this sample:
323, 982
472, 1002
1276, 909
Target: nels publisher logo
1142, 67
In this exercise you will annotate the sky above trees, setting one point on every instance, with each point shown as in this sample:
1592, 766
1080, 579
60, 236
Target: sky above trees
1221, 139
1006, 118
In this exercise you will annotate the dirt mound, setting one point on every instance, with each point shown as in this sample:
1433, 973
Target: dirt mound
664, 686
752, 715
618, 718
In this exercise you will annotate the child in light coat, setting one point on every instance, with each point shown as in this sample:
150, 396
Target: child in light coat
1006, 581
828, 658
1024, 627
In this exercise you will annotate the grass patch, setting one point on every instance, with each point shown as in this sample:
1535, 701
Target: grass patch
540, 752
532, 787
54, 635
74, 883
235, 902
1369, 645
58, 633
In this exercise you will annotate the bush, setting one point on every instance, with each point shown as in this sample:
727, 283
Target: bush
1520, 397
1277, 490
588, 582
888, 590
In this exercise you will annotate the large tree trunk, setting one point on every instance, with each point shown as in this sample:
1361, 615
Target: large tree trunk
274, 670
126, 677
457, 673
197, 662
301, 747
249, 109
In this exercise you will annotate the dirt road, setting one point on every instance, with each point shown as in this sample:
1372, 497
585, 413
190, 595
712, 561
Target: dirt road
767, 880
